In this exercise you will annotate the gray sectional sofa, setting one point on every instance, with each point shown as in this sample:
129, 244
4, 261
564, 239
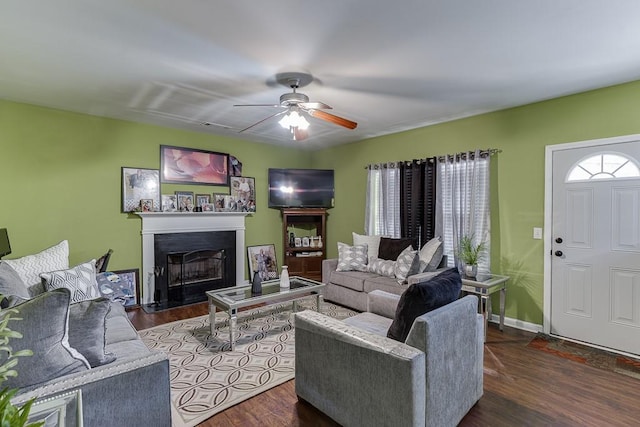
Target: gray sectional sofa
83, 346
131, 390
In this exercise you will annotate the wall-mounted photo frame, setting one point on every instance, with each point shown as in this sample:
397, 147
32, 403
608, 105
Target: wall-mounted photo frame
235, 166
262, 259
243, 188
185, 201
139, 184
121, 285
169, 203
180, 165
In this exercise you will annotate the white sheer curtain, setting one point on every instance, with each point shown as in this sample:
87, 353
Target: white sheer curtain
382, 213
462, 204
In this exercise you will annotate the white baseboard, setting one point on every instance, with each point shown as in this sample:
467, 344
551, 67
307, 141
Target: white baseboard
518, 324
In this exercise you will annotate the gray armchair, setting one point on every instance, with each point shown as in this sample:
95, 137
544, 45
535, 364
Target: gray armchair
357, 376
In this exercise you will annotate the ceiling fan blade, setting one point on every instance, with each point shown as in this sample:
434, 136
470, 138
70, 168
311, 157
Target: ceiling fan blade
263, 120
257, 105
332, 118
300, 134
314, 106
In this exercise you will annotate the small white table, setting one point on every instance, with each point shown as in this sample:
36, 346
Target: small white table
484, 285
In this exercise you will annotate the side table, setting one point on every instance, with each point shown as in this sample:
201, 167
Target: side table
484, 285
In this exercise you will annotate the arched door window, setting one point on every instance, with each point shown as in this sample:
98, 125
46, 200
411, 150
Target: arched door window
604, 166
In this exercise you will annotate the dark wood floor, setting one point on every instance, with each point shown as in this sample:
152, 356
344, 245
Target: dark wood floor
522, 387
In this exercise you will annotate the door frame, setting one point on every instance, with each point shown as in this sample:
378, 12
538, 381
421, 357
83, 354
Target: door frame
548, 210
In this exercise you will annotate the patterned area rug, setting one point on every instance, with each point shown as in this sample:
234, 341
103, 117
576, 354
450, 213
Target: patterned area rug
207, 378
588, 355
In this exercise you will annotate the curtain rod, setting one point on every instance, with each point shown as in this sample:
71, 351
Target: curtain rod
441, 158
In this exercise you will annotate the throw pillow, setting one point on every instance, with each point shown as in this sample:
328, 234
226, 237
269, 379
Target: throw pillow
382, 267
51, 259
372, 242
80, 280
392, 248
352, 258
87, 330
43, 325
407, 264
11, 285
423, 297
431, 254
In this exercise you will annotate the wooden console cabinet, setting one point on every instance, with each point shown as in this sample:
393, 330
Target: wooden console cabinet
305, 261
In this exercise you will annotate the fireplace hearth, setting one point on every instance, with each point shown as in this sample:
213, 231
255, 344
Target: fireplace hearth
191, 274
177, 234
189, 264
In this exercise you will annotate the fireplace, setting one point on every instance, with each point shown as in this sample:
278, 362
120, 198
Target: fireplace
189, 264
201, 239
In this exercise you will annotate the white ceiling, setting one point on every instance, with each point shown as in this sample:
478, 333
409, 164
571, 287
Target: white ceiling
390, 66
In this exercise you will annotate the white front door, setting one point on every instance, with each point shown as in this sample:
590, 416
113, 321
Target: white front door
595, 245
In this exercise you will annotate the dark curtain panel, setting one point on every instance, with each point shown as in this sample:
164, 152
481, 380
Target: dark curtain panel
418, 200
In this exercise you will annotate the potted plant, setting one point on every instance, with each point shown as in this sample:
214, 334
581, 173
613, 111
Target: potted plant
9, 414
470, 253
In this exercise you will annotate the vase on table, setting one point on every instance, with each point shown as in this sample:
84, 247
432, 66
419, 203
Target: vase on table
256, 284
284, 278
471, 270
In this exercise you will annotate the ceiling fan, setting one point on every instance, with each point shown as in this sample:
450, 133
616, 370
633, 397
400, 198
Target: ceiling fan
294, 106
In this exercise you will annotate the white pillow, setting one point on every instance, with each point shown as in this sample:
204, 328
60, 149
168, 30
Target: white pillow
29, 267
372, 242
352, 258
431, 255
80, 280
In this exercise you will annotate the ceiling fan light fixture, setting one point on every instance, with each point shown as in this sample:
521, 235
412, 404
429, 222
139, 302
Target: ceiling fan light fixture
294, 120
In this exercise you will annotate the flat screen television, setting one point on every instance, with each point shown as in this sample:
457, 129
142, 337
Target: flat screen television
301, 188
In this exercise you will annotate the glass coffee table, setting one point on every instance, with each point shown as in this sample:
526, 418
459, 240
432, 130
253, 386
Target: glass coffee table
236, 297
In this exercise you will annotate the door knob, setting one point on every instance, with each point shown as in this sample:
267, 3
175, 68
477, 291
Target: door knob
559, 240
558, 253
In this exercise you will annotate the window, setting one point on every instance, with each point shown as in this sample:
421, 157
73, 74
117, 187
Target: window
463, 204
382, 214
604, 166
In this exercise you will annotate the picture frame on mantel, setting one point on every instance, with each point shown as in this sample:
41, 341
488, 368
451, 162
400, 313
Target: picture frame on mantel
181, 165
139, 184
262, 259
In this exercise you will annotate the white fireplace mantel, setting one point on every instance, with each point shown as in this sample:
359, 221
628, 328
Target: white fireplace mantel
186, 222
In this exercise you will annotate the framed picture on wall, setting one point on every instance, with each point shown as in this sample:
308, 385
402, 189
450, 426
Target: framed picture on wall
140, 184
262, 259
181, 165
243, 188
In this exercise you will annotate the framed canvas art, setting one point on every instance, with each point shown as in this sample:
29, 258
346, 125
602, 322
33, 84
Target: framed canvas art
181, 165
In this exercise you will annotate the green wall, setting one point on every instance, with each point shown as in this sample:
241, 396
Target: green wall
60, 178
517, 178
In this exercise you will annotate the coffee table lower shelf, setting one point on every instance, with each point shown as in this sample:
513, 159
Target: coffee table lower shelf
237, 297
